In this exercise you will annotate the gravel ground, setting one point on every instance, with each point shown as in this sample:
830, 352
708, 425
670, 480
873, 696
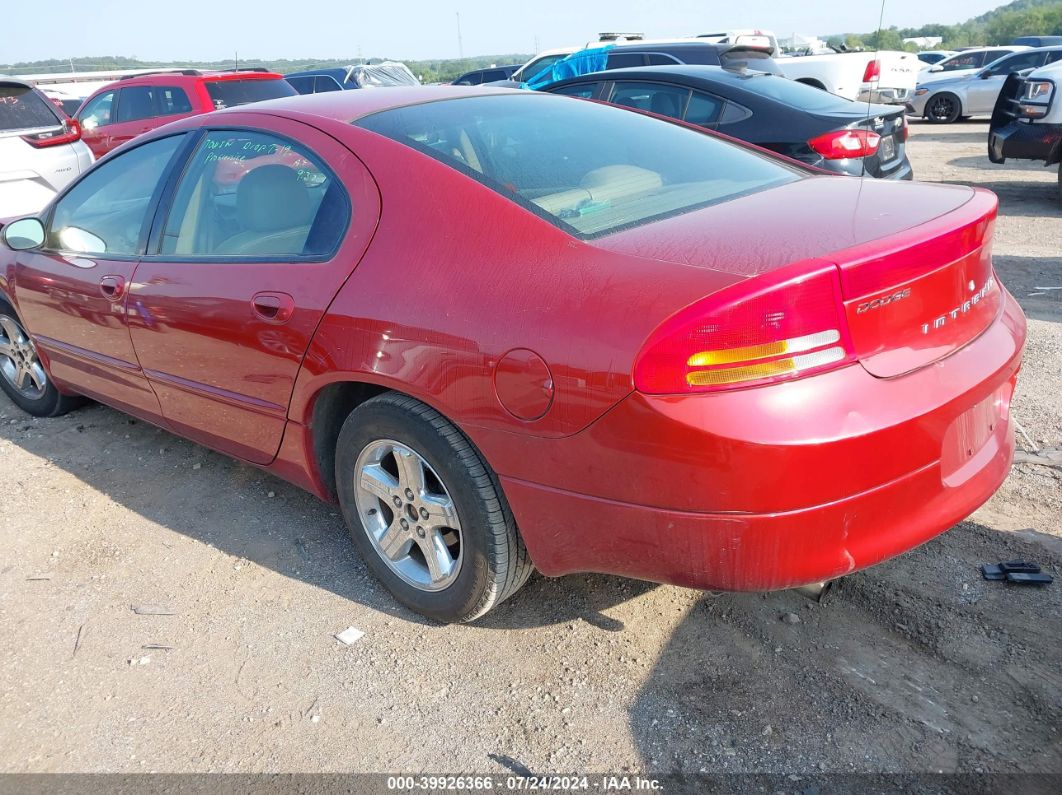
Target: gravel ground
915, 665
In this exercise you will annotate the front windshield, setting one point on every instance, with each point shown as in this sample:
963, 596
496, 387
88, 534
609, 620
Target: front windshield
586, 167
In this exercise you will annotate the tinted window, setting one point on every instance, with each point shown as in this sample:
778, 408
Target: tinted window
584, 166
1053, 56
1016, 62
734, 112
304, 85
324, 83
541, 65
22, 108
621, 60
657, 98
582, 90
136, 102
229, 93
966, 60
111, 202
250, 194
659, 59
170, 100
704, 109
97, 113
491, 76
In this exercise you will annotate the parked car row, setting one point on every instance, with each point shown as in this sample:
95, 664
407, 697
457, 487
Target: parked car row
973, 92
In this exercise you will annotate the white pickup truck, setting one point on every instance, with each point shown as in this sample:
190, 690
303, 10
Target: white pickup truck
881, 76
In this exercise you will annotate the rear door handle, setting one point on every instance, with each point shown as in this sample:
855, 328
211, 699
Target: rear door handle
112, 287
273, 307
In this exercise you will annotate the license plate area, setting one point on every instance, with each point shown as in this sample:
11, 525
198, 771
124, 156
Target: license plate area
975, 437
887, 148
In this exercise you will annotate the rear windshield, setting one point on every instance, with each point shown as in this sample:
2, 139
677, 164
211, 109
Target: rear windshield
22, 108
586, 167
797, 95
229, 93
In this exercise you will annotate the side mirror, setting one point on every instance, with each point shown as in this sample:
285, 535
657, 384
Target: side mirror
24, 234
936, 69
987, 73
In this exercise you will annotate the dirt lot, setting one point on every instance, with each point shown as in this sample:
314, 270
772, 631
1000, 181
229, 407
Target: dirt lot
915, 665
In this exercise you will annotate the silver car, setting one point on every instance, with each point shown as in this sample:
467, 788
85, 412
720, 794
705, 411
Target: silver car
948, 100
41, 149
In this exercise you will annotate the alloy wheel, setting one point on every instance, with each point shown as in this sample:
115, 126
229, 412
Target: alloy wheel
942, 108
19, 363
408, 515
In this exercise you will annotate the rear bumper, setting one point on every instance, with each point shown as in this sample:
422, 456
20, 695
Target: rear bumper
775, 487
1025, 141
884, 96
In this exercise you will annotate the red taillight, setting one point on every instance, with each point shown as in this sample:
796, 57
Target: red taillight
70, 132
872, 72
841, 144
787, 325
904, 129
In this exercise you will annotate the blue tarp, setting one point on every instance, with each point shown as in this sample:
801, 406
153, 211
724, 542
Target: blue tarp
583, 62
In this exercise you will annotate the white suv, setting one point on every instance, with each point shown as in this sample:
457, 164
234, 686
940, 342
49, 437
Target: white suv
41, 149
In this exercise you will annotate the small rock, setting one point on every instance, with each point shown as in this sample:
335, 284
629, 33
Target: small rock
271, 494
791, 618
197, 466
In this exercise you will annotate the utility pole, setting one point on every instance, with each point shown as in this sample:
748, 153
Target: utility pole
237, 60
460, 45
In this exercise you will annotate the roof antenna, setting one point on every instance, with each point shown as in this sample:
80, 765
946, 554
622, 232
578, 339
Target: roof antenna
460, 46
237, 61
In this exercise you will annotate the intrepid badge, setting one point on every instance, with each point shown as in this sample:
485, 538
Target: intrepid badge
963, 308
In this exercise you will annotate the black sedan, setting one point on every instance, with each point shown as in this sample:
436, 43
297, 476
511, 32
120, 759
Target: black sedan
771, 111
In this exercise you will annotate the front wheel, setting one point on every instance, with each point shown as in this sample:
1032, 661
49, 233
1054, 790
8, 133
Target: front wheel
426, 512
944, 109
22, 374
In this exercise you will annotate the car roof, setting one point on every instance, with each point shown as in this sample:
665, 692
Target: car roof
15, 81
681, 71
190, 75
348, 106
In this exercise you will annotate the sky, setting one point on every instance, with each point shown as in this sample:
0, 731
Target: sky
412, 29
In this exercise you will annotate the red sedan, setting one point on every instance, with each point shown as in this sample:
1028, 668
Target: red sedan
509, 329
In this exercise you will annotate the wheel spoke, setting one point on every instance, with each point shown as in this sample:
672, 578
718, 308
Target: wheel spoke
11, 330
20, 377
6, 349
36, 374
395, 542
410, 470
441, 512
379, 482
436, 555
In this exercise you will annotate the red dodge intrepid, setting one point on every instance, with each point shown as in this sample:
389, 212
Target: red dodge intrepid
510, 329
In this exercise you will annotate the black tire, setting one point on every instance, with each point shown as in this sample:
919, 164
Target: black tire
943, 108
31, 398
494, 563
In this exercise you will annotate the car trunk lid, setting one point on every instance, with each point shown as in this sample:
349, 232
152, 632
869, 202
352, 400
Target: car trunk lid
914, 261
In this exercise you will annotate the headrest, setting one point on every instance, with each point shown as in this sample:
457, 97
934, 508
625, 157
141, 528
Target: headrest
271, 198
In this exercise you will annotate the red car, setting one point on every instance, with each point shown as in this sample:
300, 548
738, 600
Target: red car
137, 104
506, 329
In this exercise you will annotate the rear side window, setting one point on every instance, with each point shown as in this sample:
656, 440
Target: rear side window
704, 109
970, 60
22, 108
229, 93
136, 102
588, 168
323, 83
303, 85
252, 194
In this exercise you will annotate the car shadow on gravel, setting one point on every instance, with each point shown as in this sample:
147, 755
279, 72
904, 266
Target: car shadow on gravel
1027, 277
1020, 198
251, 515
914, 665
